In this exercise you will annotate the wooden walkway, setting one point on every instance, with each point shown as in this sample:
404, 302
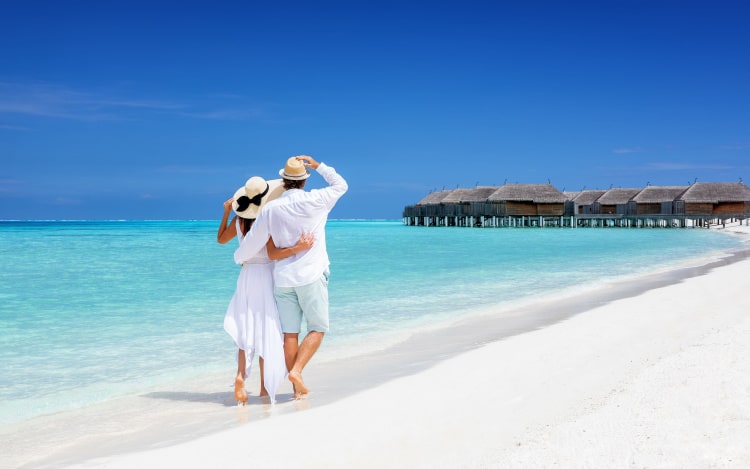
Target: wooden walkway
576, 221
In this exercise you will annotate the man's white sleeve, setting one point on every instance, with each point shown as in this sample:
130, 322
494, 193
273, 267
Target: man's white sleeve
337, 185
254, 241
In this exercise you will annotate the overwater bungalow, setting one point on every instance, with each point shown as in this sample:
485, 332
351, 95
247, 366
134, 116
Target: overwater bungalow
583, 203
615, 201
434, 198
469, 202
528, 200
526, 205
429, 206
656, 200
715, 200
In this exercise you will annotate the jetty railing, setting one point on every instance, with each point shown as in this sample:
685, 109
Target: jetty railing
448, 218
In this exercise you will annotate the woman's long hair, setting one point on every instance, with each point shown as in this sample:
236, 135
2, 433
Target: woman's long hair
242, 204
246, 224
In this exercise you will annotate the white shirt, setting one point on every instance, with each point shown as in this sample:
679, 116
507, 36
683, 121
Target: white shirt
285, 219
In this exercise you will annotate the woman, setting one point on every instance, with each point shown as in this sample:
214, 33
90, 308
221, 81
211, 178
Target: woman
252, 319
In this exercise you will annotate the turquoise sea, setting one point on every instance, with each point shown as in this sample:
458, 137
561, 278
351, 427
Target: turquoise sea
93, 310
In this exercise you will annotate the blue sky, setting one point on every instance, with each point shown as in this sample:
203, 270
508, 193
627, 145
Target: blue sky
161, 110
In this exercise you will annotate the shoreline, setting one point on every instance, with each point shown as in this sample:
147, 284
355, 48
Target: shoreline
336, 384
656, 379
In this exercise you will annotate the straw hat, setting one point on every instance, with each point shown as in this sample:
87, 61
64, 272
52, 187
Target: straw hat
250, 198
294, 170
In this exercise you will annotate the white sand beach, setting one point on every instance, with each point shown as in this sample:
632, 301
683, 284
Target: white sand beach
659, 379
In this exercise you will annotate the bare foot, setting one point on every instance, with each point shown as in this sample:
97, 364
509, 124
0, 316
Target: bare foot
239, 391
263, 392
299, 386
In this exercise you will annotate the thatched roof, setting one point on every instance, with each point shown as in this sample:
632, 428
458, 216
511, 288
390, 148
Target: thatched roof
617, 196
434, 197
478, 194
700, 192
658, 194
588, 197
538, 193
715, 192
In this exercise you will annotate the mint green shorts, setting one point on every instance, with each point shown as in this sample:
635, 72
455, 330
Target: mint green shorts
308, 301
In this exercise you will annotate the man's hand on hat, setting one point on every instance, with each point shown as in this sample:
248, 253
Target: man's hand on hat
308, 161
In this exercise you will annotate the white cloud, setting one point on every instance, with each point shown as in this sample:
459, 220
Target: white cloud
13, 127
736, 146
66, 201
8, 185
228, 114
189, 170
669, 166
56, 101
63, 102
623, 151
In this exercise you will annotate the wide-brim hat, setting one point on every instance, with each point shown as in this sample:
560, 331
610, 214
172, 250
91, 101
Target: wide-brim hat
250, 198
294, 170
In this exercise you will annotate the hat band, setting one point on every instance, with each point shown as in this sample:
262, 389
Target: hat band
244, 202
259, 198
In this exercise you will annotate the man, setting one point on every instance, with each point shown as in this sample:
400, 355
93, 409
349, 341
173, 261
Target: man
301, 280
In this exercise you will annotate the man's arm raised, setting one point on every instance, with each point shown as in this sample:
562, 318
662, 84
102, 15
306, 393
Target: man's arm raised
337, 185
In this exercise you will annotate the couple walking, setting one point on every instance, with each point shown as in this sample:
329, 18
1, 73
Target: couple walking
284, 275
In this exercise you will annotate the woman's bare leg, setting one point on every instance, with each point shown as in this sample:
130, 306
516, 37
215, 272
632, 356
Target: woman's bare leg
239, 382
263, 391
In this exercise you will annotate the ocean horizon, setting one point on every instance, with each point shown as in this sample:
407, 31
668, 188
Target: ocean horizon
97, 310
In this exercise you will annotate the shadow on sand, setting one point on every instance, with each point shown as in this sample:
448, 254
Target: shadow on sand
225, 399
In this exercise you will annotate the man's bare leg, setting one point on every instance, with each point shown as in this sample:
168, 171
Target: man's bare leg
291, 346
239, 381
307, 349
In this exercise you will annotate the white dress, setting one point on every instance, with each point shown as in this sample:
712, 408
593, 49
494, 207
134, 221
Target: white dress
252, 319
